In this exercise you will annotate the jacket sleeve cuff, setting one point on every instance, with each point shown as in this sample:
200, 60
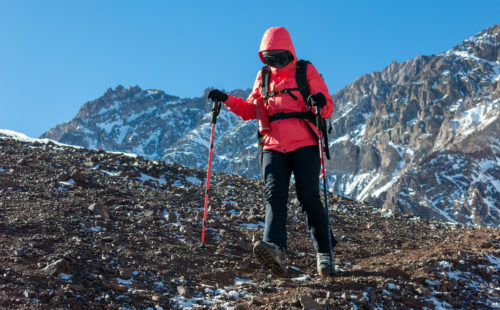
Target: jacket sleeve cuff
231, 101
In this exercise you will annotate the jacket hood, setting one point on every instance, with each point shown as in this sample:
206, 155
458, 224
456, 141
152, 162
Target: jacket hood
276, 38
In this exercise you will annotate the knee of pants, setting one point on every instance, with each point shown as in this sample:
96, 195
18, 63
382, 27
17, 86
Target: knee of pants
276, 190
310, 201
273, 194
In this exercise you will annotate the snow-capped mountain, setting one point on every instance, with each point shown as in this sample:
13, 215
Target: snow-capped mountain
158, 126
421, 136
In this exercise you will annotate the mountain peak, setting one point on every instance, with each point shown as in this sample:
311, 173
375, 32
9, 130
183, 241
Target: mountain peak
484, 45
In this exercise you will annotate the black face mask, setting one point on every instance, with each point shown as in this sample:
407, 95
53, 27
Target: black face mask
279, 60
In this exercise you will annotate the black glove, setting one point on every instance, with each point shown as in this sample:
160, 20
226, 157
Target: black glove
317, 100
217, 95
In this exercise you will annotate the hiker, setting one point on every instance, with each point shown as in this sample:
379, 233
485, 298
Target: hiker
289, 144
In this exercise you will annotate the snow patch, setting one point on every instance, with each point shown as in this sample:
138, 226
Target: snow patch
95, 229
193, 180
215, 298
111, 173
123, 153
66, 277
377, 192
478, 117
432, 283
238, 281
67, 183
494, 260
108, 126
144, 177
339, 139
253, 226
303, 278
4, 133
124, 282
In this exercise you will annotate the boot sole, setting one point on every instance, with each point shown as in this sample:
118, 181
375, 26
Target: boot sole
265, 257
325, 273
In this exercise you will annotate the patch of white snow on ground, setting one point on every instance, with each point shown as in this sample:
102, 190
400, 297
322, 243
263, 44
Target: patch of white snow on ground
391, 286
124, 282
303, 278
95, 229
178, 183
494, 260
68, 183
123, 153
440, 305
215, 298
445, 265
193, 180
238, 281
432, 283
178, 223
111, 173
145, 177
66, 277
253, 226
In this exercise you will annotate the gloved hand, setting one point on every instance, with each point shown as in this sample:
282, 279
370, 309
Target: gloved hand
317, 100
217, 95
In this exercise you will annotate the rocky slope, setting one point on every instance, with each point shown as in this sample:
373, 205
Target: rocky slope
86, 229
419, 137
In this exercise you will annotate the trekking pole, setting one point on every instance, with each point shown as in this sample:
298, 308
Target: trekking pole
215, 113
319, 125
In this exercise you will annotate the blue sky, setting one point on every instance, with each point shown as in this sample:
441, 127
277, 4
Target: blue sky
56, 55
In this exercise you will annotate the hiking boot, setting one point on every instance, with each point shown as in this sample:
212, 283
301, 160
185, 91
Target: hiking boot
272, 256
323, 264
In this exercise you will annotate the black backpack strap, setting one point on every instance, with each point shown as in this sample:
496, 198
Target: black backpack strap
302, 115
284, 91
326, 148
287, 115
301, 78
303, 85
260, 143
265, 76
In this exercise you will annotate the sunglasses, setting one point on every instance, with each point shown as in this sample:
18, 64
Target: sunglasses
278, 60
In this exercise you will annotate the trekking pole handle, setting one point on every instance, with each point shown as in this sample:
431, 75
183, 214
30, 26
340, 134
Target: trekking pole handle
215, 111
319, 121
309, 104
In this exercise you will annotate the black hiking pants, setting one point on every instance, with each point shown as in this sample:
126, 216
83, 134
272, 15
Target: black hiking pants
277, 168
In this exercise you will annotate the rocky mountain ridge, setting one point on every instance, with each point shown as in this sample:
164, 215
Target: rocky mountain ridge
158, 126
419, 137
88, 229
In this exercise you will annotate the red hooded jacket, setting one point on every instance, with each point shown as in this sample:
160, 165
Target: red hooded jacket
286, 134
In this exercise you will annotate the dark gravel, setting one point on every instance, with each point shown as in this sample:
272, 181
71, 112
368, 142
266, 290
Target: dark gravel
86, 229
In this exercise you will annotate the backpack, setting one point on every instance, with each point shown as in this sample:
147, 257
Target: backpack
303, 88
